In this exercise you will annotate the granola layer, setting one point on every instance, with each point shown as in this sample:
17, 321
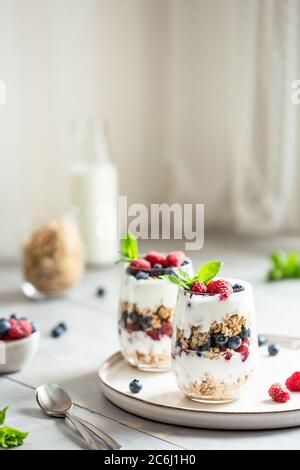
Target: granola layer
210, 388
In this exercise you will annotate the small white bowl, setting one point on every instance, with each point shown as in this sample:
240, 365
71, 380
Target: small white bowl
18, 352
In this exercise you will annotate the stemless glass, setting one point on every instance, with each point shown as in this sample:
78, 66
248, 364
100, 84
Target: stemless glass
214, 345
146, 314
52, 255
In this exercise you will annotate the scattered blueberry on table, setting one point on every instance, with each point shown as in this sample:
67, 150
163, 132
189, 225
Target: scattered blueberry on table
101, 291
58, 330
135, 386
261, 340
273, 349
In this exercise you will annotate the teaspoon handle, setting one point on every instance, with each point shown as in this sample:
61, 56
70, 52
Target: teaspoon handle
109, 441
85, 433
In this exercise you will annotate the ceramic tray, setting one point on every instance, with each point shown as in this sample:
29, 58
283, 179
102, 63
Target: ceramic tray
160, 399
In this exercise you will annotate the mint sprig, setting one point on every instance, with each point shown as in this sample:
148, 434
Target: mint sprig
205, 274
10, 437
284, 266
129, 250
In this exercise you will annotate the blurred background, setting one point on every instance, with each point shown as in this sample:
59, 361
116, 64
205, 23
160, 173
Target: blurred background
196, 95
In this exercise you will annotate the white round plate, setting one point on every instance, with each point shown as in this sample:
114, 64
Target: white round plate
160, 400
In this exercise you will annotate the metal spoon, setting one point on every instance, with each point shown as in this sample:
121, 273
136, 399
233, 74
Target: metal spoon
57, 403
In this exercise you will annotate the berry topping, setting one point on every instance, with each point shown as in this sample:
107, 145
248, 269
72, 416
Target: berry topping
135, 386
4, 327
273, 349
155, 258
261, 340
237, 288
220, 286
154, 334
199, 288
141, 275
19, 329
293, 382
278, 393
167, 329
175, 259
244, 351
140, 264
101, 292
234, 343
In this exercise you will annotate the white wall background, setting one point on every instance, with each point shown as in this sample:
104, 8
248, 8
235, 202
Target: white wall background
157, 70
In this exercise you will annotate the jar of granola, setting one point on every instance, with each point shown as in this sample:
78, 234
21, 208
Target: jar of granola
214, 346
52, 258
147, 307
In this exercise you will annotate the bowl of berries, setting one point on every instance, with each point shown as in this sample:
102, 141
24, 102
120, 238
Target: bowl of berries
19, 342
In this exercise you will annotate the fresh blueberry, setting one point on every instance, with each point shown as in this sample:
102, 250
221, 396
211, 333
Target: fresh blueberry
4, 327
33, 326
205, 347
261, 340
234, 342
14, 316
245, 333
134, 316
157, 266
238, 288
135, 386
185, 262
220, 339
58, 330
199, 353
273, 349
189, 304
146, 322
101, 291
141, 275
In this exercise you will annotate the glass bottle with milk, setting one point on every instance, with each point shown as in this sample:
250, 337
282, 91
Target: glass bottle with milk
94, 188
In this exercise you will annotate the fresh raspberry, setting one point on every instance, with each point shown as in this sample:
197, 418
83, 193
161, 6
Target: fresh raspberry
140, 264
244, 351
167, 329
228, 356
19, 329
220, 286
155, 258
278, 393
293, 382
175, 259
199, 287
154, 334
246, 341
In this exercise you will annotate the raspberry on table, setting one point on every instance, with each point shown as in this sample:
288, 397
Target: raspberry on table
220, 286
155, 258
293, 382
140, 264
175, 259
278, 393
199, 287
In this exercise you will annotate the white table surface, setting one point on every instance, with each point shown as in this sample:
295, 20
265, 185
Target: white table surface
73, 359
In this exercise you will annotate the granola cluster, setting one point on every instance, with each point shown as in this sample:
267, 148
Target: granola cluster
212, 389
150, 359
145, 318
231, 325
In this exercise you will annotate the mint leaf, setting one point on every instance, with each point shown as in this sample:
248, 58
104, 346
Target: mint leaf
291, 264
173, 279
129, 250
279, 260
183, 274
208, 271
10, 437
3, 415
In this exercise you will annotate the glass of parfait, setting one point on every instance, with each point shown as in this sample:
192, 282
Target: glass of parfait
147, 307
214, 346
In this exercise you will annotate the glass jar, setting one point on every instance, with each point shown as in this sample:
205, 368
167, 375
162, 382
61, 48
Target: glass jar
52, 256
146, 313
214, 346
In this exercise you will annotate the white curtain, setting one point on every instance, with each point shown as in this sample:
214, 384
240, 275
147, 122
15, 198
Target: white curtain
265, 145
